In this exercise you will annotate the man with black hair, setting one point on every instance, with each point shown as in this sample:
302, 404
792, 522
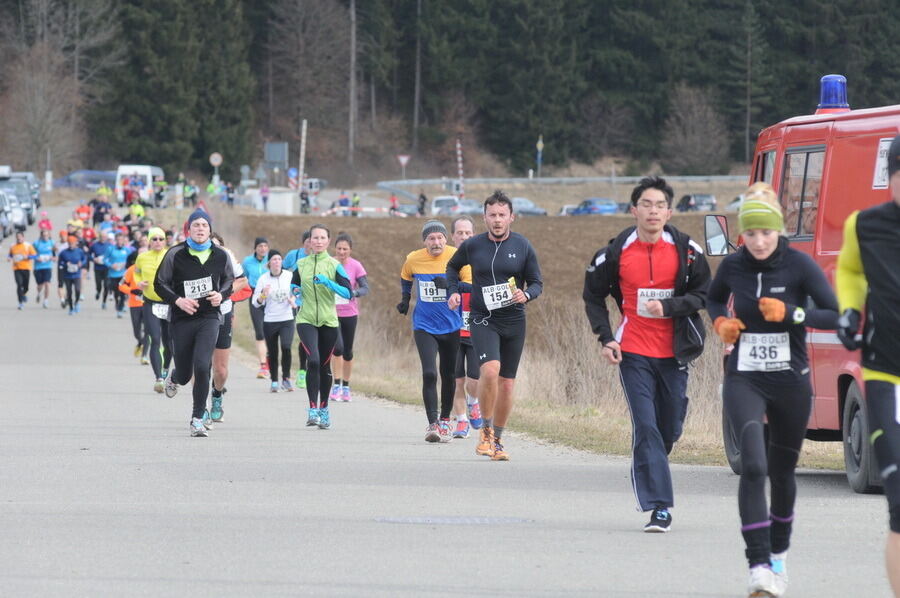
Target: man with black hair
505, 276
659, 278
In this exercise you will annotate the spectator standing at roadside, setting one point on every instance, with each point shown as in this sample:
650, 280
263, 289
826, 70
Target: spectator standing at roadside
264, 196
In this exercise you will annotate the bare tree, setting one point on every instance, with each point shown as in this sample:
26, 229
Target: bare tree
43, 99
309, 44
608, 127
351, 128
694, 138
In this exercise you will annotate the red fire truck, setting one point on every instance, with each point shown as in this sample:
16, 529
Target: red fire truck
823, 167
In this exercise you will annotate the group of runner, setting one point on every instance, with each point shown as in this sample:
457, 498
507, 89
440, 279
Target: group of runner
470, 305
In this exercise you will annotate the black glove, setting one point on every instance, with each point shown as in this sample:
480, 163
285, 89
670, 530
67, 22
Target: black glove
403, 306
137, 292
440, 282
848, 325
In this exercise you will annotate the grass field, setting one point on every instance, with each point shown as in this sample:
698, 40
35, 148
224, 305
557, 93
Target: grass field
564, 392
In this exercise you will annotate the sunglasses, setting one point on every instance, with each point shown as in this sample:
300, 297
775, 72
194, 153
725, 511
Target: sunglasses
157, 238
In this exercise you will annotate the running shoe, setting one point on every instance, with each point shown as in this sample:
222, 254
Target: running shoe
263, 372
335, 394
137, 350
779, 569
103, 305
445, 430
462, 429
345, 394
301, 379
145, 361
97, 296
216, 412
762, 583
313, 419
62, 304
160, 385
119, 314
432, 433
485, 446
197, 428
21, 306
274, 387
207, 420
474, 415
44, 304
171, 387
660, 521
324, 418
499, 454
286, 385
71, 312
78, 307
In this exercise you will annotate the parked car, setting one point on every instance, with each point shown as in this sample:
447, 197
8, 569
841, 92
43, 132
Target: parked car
697, 202
445, 205
144, 178
19, 193
525, 207
409, 209
567, 209
470, 207
87, 179
33, 183
13, 213
6, 224
735, 204
596, 205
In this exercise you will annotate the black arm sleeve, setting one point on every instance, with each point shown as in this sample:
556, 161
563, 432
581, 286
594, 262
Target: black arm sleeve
824, 315
362, 284
534, 284
459, 259
596, 290
162, 283
695, 298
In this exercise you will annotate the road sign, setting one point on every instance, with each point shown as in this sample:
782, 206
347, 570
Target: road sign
403, 159
292, 172
215, 159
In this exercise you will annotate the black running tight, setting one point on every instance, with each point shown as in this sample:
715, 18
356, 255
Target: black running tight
73, 292
194, 340
279, 335
445, 346
141, 334
785, 401
102, 282
318, 344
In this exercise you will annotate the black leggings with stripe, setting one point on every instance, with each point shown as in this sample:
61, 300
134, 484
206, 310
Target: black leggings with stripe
317, 342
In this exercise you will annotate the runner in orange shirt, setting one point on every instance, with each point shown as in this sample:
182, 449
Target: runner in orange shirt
22, 257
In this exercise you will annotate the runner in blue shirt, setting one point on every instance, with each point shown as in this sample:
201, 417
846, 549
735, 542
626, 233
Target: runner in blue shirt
43, 265
72, 261
254, 265
96, 254
115, 260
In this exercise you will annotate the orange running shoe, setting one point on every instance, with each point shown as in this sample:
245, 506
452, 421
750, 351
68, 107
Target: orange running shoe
499, 454
485, 446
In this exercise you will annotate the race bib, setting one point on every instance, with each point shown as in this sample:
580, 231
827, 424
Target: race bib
497, 296
160, 310
18, 257
43, 258
118, 266
72, 268
338, 300
279, 295
645, 295
466, 315
226, 306
429, 293
764, 352
199, 288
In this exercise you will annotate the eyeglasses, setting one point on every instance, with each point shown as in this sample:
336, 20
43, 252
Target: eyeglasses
157, 238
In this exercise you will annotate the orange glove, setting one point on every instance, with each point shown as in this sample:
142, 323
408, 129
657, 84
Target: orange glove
728, 329
773, 310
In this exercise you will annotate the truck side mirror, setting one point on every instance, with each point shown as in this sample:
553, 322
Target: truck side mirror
716, 229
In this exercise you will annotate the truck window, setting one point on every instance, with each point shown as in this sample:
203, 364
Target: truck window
800, 186
765, 167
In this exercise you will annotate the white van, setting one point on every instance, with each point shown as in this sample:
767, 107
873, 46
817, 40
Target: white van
144, 175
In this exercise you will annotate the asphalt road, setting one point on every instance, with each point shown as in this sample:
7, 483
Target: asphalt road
104, 493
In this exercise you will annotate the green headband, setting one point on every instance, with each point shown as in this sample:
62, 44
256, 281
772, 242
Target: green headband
759, 214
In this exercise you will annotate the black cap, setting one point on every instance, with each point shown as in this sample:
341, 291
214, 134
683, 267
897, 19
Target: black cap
893, 164
258, 241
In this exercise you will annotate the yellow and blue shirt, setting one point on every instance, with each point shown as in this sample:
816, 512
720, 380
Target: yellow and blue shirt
431, 313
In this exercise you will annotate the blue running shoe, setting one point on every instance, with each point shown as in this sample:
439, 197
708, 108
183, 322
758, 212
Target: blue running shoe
475, 415
274, 387
313, 419
78, 307
324, 419
216, 413
207, 420
197, 428
462, 430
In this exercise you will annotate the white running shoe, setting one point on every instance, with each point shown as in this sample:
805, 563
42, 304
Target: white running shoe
160, 385
171, 387
779, 568
197, 428
762, 583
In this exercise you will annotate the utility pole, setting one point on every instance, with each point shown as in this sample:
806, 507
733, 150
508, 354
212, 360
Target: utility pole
417, 96
351, 133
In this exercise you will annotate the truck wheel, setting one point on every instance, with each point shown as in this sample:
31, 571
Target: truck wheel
859, 458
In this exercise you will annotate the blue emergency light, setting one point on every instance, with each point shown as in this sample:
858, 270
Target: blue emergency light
833, 93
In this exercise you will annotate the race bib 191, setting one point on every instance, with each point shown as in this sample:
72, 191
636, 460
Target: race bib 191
196, 289
497, 295
160, 310
760, 352
429, 293
645, 295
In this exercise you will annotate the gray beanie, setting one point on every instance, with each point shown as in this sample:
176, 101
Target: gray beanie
433, 226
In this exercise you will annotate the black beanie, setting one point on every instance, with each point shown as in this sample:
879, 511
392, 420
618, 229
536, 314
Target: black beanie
258, 241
